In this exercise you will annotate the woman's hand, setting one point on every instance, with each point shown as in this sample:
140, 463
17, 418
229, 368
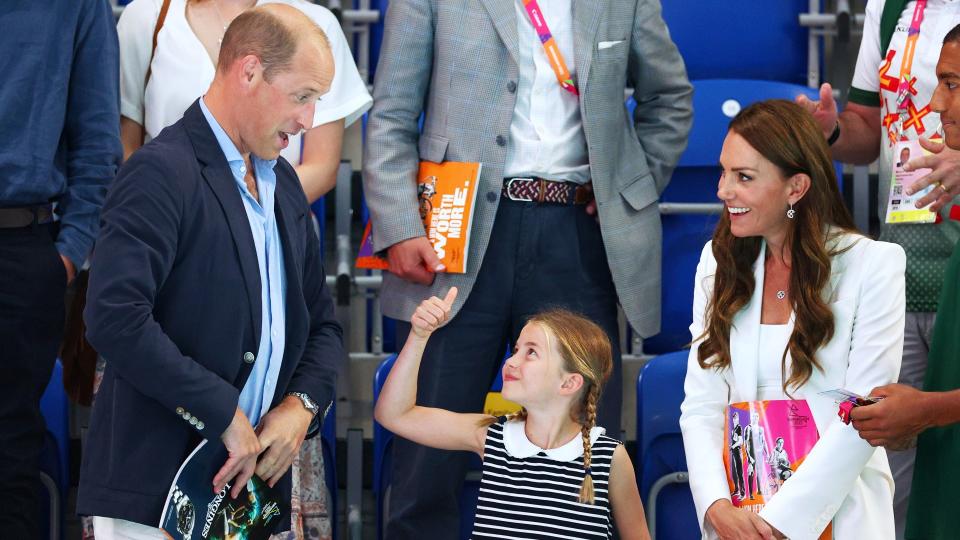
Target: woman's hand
431, 313
732, 523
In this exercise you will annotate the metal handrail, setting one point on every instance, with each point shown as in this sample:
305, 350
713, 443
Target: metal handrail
662, 482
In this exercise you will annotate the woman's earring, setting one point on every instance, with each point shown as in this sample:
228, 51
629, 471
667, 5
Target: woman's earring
791, 212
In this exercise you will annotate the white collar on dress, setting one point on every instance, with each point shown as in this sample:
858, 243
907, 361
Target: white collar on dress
519, 446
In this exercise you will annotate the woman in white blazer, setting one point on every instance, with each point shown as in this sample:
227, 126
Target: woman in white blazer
790, 301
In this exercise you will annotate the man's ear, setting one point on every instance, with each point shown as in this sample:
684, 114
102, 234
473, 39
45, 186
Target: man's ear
251, 70
572, 383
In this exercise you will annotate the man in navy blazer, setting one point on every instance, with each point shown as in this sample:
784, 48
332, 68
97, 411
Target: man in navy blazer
207, 295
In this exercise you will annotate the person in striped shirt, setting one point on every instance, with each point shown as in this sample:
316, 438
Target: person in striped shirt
548, 471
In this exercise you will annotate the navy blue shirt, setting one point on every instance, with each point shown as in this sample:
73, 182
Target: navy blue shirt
59, 112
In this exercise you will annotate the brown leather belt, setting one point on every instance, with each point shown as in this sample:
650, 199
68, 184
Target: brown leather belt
540, 190
15, 218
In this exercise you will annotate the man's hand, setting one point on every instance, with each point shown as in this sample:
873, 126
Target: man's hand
431, 313
281, 432
945, 176
70, 268
901, 414
242, 448
732, 523
414, 260
823, 111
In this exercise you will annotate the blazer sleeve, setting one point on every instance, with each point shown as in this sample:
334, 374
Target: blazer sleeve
664, 96
316, 373
137, 247
391, 159
805, 504
701, 413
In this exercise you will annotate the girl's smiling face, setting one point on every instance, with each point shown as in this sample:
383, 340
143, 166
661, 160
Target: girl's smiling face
534, 373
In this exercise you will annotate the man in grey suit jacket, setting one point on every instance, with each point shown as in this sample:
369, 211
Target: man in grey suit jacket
566, 213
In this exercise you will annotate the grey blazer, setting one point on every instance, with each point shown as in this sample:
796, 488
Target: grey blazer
455, 60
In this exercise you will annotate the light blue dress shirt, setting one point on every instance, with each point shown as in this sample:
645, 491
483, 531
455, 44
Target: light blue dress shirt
258, 392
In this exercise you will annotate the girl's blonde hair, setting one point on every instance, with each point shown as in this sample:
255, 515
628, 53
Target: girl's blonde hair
585, 349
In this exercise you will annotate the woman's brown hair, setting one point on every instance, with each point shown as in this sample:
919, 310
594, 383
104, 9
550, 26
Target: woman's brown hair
786, 135
585, 349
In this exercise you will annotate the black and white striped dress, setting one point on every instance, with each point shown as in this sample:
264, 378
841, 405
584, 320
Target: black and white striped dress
527, 492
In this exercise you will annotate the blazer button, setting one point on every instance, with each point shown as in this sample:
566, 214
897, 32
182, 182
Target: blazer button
511, 87
193, 420
179, 411
501, 140
248, 357
200, 426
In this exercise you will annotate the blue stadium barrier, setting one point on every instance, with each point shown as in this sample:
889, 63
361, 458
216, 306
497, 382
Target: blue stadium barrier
661, 463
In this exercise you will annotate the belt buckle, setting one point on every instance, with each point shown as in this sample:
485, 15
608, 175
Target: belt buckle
510, 193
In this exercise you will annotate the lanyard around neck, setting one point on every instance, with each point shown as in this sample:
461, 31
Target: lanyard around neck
550, 46
906, 67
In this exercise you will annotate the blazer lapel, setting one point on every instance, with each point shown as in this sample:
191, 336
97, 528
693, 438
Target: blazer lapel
216, 172
745, 337
586, 21
503, 15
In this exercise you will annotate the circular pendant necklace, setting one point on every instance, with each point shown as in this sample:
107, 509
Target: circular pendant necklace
781, 295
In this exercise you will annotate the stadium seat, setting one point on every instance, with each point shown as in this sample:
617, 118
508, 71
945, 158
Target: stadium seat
661, 463
732, 30
715, 103
55, 454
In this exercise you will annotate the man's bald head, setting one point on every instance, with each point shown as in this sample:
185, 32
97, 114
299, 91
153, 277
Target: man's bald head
273, 33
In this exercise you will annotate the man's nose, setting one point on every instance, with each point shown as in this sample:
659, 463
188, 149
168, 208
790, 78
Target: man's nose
305, 119
939, 100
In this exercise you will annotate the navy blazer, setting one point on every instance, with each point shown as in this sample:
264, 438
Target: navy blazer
174, 307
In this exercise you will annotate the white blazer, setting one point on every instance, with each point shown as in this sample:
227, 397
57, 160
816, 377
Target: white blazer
843, 477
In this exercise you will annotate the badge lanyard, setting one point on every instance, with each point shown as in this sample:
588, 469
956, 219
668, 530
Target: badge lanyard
550, 46
906, 65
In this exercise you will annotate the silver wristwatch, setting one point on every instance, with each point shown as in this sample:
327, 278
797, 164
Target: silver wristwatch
308, 402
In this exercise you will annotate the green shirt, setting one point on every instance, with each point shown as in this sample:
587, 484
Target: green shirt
928, 247
933, 498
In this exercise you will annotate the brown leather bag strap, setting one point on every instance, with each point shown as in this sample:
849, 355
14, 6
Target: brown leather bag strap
164, 8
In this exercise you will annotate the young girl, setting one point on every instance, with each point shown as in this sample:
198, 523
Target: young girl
547, 471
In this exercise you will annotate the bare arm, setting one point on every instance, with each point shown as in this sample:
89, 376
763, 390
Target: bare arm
397, 407
625, 498
903, 413
322, 148
131, 135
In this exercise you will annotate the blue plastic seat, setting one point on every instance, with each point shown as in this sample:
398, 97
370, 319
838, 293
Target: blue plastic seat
715, 103
661, 463
732, 31
55, 454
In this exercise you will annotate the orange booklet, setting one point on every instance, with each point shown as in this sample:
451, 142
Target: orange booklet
446, 193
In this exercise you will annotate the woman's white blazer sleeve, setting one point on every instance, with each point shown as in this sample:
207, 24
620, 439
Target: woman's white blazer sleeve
809, 500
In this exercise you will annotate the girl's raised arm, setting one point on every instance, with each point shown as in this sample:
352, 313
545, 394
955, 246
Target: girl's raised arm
397, 408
